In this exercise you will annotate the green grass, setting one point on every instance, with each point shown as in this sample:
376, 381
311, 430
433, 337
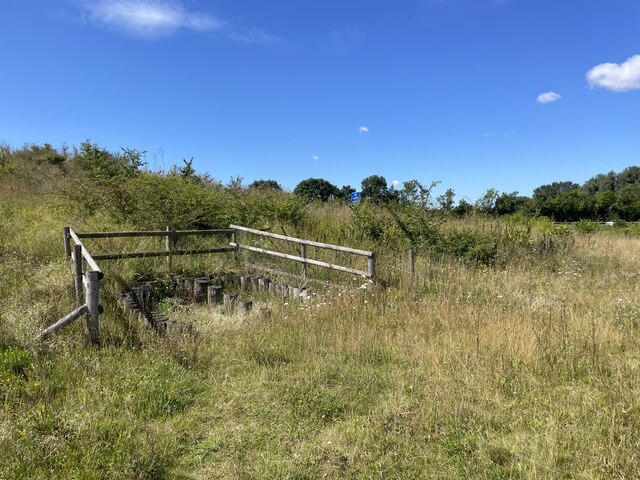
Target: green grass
525, 369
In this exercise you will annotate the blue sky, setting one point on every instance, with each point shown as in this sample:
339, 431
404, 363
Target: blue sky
509, 94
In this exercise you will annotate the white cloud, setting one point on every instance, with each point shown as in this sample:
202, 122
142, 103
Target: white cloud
548, 97
619, 77
363, 129
316, 158
149, 18
395, 183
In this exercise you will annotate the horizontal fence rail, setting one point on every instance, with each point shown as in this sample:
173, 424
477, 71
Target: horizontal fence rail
369, 273
155, 233
300, 241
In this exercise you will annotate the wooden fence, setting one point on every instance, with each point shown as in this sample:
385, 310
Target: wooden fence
371, 257
87, 274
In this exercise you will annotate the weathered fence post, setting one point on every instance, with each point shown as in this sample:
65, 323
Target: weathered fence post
234, 240
67, 243
303, 254
230, 299
372, 266
77, 272
201, 285
214, 295
412, 264
189, 285
92, 286
169, 246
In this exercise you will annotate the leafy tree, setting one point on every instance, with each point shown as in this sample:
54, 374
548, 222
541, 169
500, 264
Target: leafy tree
605, 201
374, 188
101, 164
508, 203
235, 183
628, 202
316, 189
601, 183
544, 196
487, 202
187, 171
463, 208
266, 184
445, 201
413, 192
629, 176
345, 193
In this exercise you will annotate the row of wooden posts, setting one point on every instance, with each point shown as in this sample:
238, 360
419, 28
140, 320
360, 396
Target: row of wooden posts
87, 283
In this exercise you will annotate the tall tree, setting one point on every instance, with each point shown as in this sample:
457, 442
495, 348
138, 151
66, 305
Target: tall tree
266, 184
374, 189
316, 189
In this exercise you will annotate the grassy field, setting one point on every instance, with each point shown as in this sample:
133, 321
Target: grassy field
527, 366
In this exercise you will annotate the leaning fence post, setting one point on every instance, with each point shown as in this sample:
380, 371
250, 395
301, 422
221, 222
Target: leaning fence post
372, 266
77, 272
303, 254
67, 244
92, 285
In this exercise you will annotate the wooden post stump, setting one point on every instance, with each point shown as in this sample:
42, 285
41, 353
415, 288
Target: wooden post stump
188, 286
214, 295
200, 288
246, 305
264, 283
230, 299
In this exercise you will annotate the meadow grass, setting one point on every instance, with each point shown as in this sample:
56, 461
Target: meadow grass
529, 368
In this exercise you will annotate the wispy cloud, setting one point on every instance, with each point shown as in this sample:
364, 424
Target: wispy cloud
498, 135
548, 97
618, 77
153, 19
395, 183
315, 158
148, 18
363, 129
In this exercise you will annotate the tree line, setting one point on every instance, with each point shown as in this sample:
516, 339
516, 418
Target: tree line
606, 196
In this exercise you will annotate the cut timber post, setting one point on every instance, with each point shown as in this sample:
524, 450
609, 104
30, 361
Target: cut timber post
77, 272
264, 283
169, 246
188, 286
234, 240
67, 243
200, 288
303, 254
372, 266
214, 295
230, 299
92, 288
246, 305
